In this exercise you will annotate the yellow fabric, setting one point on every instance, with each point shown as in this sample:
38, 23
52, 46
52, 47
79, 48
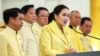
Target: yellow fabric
10, 43
2, 26
53, 41
37, 29
95, 15
85, 42
30, 40
77, 40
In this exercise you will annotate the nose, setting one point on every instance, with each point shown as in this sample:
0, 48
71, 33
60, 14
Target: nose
46, 17
34, 15
89, 28
67, 18
22, 22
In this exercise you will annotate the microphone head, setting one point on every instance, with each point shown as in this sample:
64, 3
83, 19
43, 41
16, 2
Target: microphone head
70, 26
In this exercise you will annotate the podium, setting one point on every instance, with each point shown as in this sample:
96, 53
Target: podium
94, 53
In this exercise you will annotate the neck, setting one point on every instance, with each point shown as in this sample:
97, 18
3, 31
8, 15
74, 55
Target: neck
28, 22
73, 25
83, 32
39, 23
60, 27
14, 28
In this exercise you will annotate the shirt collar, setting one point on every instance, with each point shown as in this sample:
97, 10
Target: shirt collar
36, 24
10, 29
26, 23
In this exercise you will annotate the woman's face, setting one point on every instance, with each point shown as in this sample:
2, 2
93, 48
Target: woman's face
62, 18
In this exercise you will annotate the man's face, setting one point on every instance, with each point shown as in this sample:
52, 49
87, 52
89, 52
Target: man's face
42, 17
75, 19
30, 16
17, 21
86, 27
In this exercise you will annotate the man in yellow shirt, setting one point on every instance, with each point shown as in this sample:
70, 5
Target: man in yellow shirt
41, 20
75, 19
10, 41
85, 28
29, 37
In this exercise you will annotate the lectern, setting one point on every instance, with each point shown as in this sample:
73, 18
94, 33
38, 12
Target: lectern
95, 53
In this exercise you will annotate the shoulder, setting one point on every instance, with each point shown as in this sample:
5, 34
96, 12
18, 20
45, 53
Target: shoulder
23, 30
2, 37
46, 30
46, 27
3, 41
3, 33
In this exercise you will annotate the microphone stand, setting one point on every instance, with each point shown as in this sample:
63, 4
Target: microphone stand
83, 34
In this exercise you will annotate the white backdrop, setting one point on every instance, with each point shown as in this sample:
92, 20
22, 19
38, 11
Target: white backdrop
83, 6
0, 11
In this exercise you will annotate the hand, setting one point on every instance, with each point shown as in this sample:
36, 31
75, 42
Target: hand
72, 50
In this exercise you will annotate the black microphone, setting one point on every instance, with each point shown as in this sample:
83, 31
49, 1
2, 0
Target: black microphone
75, 30
83, 34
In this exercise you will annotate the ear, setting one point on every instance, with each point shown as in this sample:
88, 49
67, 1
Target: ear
55, 16
11, 19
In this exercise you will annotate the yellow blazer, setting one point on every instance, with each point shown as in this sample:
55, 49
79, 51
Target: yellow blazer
30, 40
77, 40
53, 41
10, 43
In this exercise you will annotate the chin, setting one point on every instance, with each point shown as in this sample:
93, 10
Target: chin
64, 25
33, 21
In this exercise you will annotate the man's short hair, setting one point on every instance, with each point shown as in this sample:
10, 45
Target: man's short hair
26, 8
39, 9
84, 19
13, 12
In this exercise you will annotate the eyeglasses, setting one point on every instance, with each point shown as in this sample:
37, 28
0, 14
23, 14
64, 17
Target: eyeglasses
43, 16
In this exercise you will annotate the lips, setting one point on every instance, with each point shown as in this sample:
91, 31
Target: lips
65, 22
45, 21
33, 19
21, 25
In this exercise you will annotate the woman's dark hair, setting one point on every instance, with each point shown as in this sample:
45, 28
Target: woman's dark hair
56, 11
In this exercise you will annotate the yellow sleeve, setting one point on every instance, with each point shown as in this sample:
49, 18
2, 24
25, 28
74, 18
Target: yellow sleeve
46, 44
3, 46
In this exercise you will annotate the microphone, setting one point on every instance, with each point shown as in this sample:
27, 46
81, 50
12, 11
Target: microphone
83, 34
75, 30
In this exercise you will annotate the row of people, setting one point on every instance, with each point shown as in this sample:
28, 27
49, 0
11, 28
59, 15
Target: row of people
42, 34
56, 38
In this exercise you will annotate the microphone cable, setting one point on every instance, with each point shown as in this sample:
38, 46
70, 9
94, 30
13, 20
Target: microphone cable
83, 34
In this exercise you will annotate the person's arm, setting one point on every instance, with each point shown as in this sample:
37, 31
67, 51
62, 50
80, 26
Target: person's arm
45, 44
3, 46
22, 34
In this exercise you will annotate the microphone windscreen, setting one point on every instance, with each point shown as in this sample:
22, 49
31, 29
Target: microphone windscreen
70, 26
